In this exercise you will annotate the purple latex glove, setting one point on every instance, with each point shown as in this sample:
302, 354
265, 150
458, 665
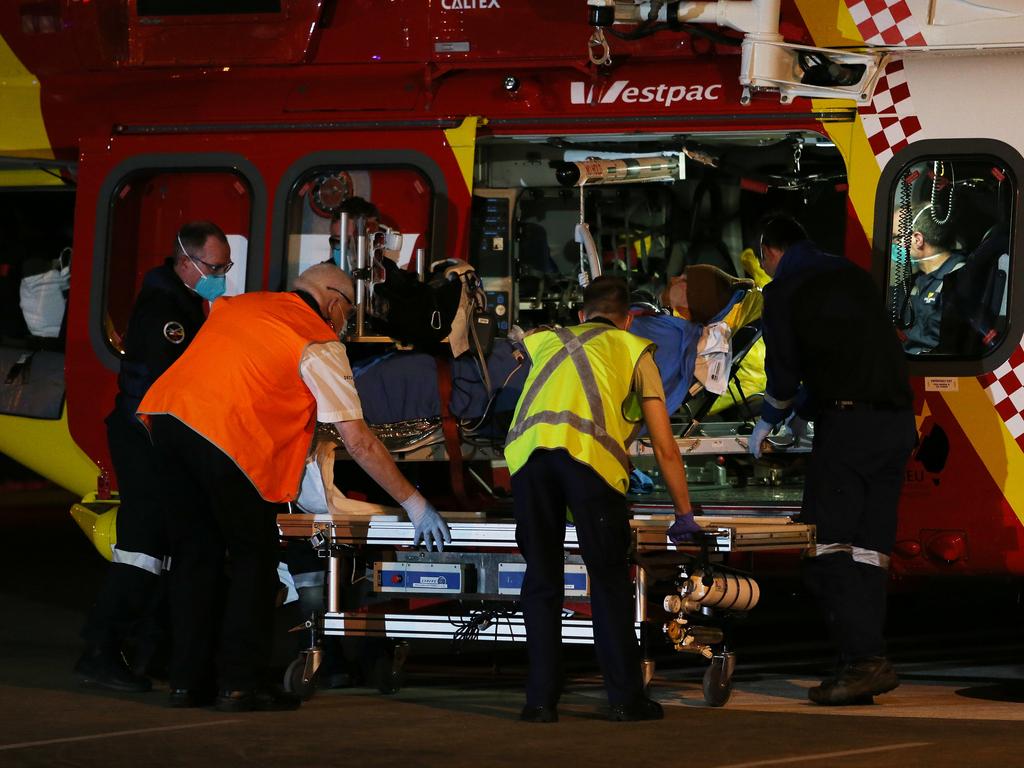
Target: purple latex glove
684, 530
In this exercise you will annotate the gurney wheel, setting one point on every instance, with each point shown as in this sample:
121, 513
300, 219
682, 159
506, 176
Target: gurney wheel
294, 682
718, 680
389, 670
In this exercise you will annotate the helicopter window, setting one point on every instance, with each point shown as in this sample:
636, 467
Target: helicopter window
148, 208
947, 246
395, 204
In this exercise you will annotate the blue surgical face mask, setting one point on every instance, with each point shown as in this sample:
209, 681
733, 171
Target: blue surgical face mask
896, 253
209, 287
336, 255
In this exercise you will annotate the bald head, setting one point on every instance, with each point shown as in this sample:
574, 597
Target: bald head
323, 282
333, 292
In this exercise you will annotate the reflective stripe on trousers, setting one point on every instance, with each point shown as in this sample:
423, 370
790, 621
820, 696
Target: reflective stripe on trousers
859, 554
147, 563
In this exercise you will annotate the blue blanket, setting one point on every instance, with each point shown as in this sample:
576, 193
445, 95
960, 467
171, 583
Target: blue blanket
403, 385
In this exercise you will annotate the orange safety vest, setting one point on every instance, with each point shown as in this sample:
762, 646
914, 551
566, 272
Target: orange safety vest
238, 385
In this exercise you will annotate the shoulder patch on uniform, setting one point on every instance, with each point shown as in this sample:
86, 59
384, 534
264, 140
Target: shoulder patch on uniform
174, 332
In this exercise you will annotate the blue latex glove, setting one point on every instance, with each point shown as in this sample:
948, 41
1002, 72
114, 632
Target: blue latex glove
684, 530
797, 427
640, 483
758, 436
429, 527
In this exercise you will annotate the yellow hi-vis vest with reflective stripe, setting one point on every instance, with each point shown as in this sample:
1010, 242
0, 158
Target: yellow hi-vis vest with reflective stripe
579, 397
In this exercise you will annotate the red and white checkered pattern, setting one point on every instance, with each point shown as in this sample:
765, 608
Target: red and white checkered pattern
1005, 388
889, 119
885, 22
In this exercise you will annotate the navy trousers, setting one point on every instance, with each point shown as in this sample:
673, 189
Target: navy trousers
548, 484
216, 511
130, 590
852, 491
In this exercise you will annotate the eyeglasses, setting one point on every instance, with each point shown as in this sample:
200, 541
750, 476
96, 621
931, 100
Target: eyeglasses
215, 269
351, 303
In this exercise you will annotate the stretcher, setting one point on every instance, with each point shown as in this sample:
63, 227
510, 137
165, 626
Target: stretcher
470, 591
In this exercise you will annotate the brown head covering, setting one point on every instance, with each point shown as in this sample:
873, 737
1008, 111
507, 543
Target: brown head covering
708, 290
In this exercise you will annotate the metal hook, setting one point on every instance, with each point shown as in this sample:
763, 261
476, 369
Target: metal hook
598, 50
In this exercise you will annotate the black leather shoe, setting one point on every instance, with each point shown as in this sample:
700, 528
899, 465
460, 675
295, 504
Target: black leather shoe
187, 698
642, 709
540, 714
856, 683
109, 670
256, 701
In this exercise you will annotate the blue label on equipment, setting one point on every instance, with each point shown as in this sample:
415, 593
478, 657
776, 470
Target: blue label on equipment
510, 579
402, 580
576, 581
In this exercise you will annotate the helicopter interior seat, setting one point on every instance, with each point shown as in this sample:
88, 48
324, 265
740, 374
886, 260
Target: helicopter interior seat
974, 309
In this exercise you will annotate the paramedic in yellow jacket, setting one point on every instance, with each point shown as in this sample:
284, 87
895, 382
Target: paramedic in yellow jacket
589, 388
233, 420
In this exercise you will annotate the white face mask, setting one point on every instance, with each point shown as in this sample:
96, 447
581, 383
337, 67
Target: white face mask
344, 324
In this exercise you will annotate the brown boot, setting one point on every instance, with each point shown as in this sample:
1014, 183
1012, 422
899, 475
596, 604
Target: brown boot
856, 683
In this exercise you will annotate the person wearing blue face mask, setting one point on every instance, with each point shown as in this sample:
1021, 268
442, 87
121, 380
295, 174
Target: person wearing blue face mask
210, 277
168, 312
933, 257
356, 208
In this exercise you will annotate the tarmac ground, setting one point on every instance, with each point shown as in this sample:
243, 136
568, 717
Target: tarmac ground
956, 647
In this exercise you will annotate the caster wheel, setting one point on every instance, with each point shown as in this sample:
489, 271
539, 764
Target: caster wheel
718, 680
389, 669
294, 682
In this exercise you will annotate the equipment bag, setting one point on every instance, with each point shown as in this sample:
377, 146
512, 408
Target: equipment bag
415, 313
43, 297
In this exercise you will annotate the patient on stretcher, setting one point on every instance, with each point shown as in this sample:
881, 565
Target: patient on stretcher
404, 394
408, 387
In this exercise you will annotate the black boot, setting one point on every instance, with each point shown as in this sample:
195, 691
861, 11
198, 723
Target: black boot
108, 669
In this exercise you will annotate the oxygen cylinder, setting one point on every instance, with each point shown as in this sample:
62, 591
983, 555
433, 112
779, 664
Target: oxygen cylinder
727, 592
600, 171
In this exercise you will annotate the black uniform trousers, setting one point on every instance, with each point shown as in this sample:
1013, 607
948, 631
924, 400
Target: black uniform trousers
854, 477
129, 592
543, 488
215, 510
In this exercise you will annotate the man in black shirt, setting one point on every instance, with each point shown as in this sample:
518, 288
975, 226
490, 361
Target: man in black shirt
167, 314
833, 356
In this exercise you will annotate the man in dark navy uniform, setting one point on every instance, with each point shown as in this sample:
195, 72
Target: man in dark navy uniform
168, 312
931, 252
832, 355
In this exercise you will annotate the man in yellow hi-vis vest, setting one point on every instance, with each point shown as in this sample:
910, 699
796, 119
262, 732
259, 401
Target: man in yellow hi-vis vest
588, 391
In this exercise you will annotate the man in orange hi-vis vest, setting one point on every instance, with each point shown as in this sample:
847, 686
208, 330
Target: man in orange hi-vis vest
233, 420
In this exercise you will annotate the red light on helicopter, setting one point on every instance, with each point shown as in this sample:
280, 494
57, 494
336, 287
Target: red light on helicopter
908, 549
948, 547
